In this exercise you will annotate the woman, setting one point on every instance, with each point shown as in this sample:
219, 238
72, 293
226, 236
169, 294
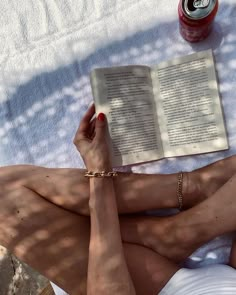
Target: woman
44, 217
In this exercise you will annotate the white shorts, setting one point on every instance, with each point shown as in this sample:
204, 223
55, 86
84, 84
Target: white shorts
209, 280
57, 290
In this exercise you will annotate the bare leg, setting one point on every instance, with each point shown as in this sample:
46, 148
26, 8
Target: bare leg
68, 188
188, 230
29, 223
55, 242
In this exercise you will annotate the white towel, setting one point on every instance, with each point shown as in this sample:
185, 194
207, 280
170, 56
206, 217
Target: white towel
47, 49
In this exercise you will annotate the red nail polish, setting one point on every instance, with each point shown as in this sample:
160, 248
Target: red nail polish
101, 117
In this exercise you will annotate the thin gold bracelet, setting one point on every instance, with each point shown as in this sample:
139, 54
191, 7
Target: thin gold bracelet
180, 189
91, 174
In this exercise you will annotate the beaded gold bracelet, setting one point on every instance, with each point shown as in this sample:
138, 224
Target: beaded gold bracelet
180, 190
100, 174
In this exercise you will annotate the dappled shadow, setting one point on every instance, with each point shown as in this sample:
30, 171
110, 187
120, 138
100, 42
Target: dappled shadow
39, 120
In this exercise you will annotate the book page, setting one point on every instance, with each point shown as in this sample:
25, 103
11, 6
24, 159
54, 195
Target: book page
188, 105
125, 95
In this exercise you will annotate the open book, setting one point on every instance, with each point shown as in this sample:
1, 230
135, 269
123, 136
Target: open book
172, 109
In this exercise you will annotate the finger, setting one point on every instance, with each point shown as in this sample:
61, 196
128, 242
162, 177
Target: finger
85, 122
92, 125
100, 127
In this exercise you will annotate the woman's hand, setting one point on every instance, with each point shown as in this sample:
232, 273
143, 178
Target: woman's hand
91, 141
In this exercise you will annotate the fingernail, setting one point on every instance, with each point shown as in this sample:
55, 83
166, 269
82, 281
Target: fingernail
101, 117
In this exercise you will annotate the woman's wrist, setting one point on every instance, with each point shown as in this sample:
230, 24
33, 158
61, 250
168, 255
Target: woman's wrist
101, 189
100, 167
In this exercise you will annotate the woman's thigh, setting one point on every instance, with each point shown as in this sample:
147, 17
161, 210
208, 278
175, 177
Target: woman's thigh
150, 271
232, 261
50, 239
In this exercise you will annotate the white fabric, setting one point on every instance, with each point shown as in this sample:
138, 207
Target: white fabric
57, 290
47, 49
211, 280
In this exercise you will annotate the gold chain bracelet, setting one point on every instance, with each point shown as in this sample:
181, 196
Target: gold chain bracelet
180, 190
100, 174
